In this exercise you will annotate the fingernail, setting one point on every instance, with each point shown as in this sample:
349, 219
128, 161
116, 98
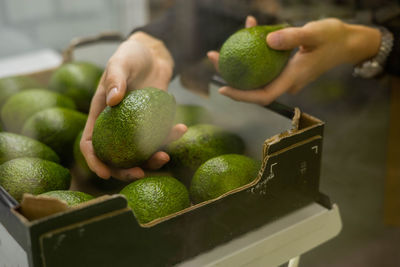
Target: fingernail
274, 39
113, 92
165, 158
248, 23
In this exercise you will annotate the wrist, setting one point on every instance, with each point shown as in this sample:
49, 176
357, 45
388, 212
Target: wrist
362, 42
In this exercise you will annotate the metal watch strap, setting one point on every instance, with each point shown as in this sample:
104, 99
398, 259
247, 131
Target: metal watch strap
374, 66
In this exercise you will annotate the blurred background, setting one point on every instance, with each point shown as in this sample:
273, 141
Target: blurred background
27, 25
356, 111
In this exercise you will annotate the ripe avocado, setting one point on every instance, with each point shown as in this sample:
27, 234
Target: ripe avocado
84, 172
71, 197
222, 174
126, 135
247, 62
14, 84
191, 115
200, 143
57, 128
17, 146
155, 197
32, 175
77, 80
23, 105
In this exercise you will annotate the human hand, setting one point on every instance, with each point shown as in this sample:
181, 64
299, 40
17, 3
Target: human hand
139, 62
322, 44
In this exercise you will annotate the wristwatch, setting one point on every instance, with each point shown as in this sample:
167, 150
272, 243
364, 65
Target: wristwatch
374, 66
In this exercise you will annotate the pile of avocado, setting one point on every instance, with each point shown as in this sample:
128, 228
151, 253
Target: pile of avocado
39, 126
42, 128
207, 158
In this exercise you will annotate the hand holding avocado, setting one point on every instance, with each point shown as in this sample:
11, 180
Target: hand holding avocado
141, 61
322, 44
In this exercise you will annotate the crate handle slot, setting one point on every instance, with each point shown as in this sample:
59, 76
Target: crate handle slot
83, 41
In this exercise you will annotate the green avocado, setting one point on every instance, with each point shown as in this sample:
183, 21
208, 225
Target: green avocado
191, 115
155, 197
247, 62
127, 134
86, 173
222, 174
78, 80
72, 198
15, 84
57, 128
17, 146
23, 105
200, 143
32, 175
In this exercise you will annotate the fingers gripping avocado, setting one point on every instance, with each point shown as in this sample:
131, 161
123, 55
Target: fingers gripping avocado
247, 62
126, 135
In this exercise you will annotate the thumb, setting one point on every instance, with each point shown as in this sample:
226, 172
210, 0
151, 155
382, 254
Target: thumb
288, 38
115, 84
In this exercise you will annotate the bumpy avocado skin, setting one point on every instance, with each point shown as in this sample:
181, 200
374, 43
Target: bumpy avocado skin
17, 146
247, 62
33, 175
192, 114
14, 84
71, 197
85, 173
20, 107
155, 197
57, 128
222, 174
126, 135
200, 143
77, 80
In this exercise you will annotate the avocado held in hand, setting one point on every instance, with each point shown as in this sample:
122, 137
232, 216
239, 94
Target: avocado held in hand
247, 62
85, 173
127, 134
